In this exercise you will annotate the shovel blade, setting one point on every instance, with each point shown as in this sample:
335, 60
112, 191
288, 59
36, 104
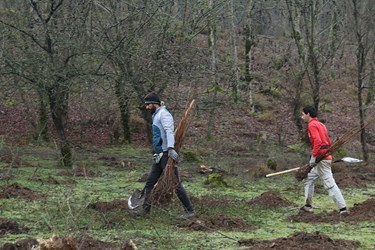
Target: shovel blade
349, 160
136, 199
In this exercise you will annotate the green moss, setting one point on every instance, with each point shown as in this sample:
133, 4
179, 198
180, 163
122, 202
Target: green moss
271, 163
191, 156
215, 180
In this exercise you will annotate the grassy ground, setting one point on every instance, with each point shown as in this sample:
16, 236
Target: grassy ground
67, 208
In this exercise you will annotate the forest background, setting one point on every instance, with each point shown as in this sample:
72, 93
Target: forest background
74, 73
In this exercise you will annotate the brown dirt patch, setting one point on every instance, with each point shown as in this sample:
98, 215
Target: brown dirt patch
10, 227
110, 205
25, 244
360, 212
82, 242
356, 180
215, 223
301, 240
16, 191
85, 241
270, 199
358, 176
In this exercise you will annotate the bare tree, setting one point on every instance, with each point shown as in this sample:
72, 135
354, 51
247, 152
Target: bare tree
299, 74
333, 36
371, 81
214, 77
362, 12
116, 37
249, 43
235, 67
314, 29
54, 41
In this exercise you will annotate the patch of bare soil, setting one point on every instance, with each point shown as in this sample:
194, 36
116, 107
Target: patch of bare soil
85, 241
16, 191
110, 206
347, 175
81, 242
25, 244
301, 240
8, 226
215, 223
270, 199
360, 212
355, 180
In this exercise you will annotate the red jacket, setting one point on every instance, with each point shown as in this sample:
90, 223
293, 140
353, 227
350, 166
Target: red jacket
319, 138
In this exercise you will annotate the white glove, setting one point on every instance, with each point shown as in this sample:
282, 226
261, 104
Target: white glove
312, 162
157, 157
173, 154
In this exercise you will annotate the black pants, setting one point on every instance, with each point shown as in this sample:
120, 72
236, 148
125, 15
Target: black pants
153, 177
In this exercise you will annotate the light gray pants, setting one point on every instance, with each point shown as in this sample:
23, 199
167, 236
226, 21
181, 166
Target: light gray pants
323, 170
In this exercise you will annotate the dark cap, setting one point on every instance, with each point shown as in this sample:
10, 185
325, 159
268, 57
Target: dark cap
152, 98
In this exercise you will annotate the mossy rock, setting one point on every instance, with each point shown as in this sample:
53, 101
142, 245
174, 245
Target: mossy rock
191, 156
215, 180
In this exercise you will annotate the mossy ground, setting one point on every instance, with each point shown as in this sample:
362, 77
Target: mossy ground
67, 208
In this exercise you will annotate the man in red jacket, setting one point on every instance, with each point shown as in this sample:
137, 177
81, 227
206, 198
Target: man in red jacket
320, 142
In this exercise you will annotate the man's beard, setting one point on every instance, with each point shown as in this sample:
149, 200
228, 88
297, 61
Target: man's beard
152, 111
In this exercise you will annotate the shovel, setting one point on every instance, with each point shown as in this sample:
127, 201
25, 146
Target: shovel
344, 159
136, 199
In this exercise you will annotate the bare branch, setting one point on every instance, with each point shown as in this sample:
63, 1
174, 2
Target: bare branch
25, 33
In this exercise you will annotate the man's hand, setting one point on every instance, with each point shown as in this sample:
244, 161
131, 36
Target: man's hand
173, 154
312, 162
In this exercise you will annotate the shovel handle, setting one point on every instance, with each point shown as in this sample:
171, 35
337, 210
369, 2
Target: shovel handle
283, 172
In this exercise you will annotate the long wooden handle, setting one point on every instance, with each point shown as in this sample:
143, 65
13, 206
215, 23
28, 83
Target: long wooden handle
283, 172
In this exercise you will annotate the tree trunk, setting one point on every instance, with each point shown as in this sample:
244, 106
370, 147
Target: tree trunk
333, 37
294, 20
371, 81
236, 80
361, 65
123, 102
58, 100
42, 127
249, 43
215, 88
310, 20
